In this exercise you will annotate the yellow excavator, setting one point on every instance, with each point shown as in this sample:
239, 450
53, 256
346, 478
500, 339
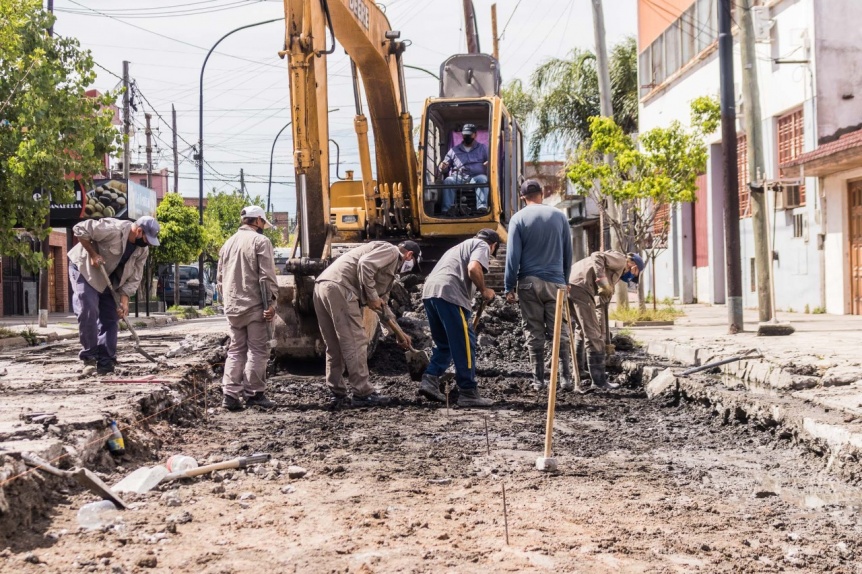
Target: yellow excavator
407, 195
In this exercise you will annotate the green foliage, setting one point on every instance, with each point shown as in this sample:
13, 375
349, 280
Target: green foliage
659, 169
140, 324
181, 237
7, 333
706, 114
207, 312
633, 315
222, 219
30, 335
564, 94
49, 128
819, 311
186, 312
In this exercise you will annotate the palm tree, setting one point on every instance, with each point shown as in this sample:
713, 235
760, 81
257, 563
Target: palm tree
564, 94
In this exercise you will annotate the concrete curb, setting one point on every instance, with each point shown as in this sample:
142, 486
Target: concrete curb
12, 343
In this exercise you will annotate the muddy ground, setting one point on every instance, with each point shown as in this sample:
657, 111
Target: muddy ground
643, 486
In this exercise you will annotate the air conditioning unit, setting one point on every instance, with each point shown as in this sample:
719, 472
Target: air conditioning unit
762, 24
791, 195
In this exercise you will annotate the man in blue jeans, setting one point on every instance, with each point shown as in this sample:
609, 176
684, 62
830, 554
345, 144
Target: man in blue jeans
121, 247
446, 295
467, 163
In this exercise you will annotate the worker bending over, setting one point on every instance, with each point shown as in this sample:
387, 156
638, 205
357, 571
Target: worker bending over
245, 259
122, 248
361, 277
597, 275
446, 295
538, 256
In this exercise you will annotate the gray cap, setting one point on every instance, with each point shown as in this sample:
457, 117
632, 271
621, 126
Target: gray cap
151, 229
530, 187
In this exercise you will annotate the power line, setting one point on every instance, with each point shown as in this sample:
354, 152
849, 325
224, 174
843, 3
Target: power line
506, 25
168, 14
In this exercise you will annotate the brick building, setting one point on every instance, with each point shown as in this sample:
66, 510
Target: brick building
20, 292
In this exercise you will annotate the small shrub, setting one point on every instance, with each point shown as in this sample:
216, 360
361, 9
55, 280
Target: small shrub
30, 335
807, 309
6, 333
207, 312
819, 311
633, 315
186, 312
140, 324
123, 326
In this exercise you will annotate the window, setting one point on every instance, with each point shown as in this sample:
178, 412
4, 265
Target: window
742, 175
798, 225
658, 69
688, 23
707, 27
791, 139
672, 48
645, 69
143, 181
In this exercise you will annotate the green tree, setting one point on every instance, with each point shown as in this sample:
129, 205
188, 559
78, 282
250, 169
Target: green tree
564, 94
657, 171
222, 219
49, 129
181, 237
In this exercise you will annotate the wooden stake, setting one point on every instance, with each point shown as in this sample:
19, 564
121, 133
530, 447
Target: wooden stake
487, 440
555, 371
505, 512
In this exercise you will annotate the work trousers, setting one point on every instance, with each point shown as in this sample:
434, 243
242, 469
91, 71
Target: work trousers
340, 319
589, 329
247, 356
538, 301
454, 340
449, 194
98, 320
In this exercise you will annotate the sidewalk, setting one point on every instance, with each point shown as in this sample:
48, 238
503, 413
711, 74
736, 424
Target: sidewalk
810, 381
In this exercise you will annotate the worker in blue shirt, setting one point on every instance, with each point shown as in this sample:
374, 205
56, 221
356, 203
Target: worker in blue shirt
467, 163
538, 259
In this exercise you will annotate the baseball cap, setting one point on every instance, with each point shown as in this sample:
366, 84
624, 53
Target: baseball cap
638, 260
488, 235
530, 186
254, 211
469, 129
151, 229
414, 248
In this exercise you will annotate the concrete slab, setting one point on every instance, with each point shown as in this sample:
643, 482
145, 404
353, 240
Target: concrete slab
665, 382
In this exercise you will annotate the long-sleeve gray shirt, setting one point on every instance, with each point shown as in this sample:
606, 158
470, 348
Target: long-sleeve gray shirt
367, 271
609, 264
245, 259
540, 245
109, 237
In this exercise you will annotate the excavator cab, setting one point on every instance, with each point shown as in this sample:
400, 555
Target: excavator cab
460, 200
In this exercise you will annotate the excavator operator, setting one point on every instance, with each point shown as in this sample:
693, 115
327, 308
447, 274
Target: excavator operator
466, 163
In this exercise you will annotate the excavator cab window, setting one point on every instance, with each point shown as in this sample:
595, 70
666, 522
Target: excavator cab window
458, 152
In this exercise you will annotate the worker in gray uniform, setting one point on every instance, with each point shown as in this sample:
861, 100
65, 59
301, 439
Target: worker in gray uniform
362, 277
591, 277
245, 259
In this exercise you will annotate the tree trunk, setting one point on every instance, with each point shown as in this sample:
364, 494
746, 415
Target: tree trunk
176, 284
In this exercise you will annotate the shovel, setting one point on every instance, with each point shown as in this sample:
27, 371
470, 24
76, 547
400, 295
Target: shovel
417, 361
81, 475
135, 338
241, 462
264, 299
478, 315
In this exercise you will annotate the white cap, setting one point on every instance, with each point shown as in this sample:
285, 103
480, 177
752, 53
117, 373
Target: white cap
254, 211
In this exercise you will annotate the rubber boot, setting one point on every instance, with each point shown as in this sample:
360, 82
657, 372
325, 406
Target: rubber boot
581, 351
538, 362
471, 398
430, 388
597, 372
564, 382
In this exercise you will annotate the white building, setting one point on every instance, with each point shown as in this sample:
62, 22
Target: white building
808, 65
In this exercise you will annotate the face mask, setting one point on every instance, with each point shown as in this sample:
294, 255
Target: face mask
141, 242
259, 230
627, 276
406, 267
468, 140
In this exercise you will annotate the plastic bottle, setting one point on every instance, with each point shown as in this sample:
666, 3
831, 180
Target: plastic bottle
97, 514
181, 463
116, 444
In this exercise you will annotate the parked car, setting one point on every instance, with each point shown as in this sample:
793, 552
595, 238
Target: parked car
190, 286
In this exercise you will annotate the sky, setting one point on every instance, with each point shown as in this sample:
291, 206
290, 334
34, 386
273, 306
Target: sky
246, 97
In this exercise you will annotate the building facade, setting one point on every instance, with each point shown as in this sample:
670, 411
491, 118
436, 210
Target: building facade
808, 60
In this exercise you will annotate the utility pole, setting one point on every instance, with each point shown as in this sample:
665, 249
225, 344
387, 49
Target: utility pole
754, 139
127, 120
45, 244
242, 181
470, 28
176, 154
731, 176
496, 40
149, 134
606, 108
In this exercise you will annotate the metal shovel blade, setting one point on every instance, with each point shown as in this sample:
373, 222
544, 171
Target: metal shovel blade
417, 362
95, 485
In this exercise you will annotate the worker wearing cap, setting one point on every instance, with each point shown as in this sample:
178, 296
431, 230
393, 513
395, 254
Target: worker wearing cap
538, 257
362, 277
245, 259
446, 296
122, 248
467, 162
597, 275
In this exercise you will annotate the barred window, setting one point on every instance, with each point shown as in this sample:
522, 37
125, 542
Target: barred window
742, 176
791, 139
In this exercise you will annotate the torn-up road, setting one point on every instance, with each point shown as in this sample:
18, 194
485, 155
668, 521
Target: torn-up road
644, 485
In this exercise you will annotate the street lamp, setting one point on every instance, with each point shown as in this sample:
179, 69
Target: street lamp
200, 154
271, 153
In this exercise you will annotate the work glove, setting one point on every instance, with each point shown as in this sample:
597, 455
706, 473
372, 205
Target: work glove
605, 289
